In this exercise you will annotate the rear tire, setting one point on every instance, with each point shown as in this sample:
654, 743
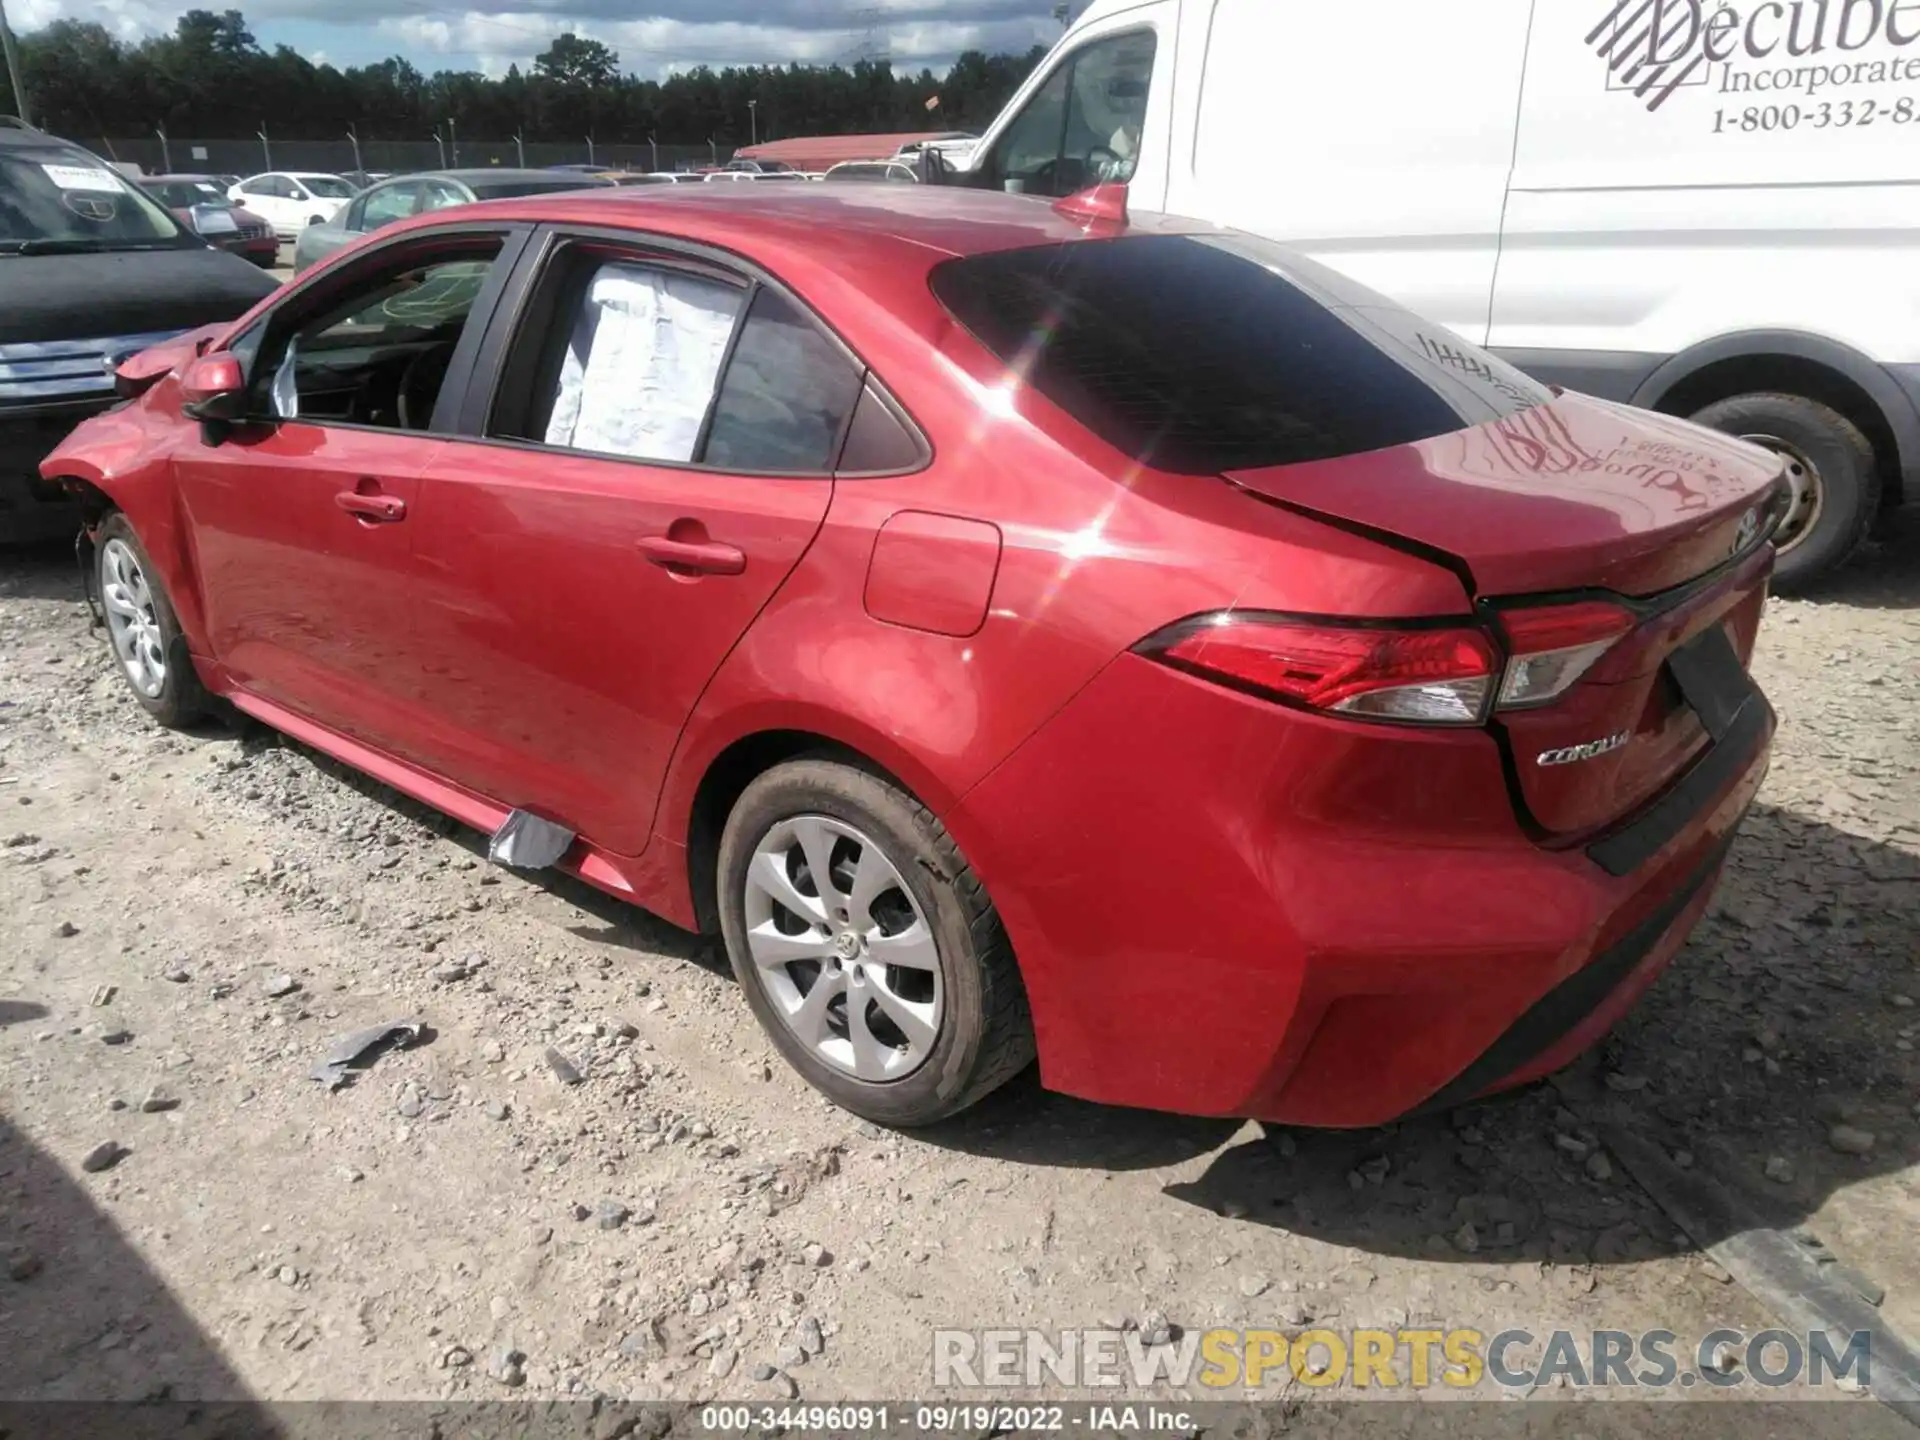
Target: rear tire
903, 937
143, 633
1831, 467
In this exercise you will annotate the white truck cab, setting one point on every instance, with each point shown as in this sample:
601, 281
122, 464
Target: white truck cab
1705, 207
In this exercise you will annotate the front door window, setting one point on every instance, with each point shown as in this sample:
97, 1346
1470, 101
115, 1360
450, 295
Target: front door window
375, 352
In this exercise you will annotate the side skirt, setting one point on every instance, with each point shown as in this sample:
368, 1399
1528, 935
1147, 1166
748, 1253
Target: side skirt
615, 874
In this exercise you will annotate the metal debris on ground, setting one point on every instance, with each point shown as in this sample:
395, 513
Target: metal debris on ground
360, 1049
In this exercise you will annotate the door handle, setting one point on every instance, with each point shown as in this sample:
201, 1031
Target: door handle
705, 557
374, 507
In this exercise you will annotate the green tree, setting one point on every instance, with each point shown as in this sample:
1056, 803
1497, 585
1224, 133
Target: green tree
575, 60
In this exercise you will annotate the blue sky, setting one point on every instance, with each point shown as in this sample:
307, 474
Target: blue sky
654, 37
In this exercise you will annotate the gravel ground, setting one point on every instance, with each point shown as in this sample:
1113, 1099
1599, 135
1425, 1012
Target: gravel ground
187, 922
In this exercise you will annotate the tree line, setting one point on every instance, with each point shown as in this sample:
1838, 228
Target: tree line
210, 78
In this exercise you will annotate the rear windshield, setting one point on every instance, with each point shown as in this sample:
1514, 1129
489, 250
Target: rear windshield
1208, 353
488, 190
328, 187
67, 200
187, 193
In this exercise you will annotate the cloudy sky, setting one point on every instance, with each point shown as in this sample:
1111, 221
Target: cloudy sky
654, 37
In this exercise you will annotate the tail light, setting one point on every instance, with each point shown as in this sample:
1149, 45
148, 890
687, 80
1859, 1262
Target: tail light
1551, 646
1439, 672
1428, 674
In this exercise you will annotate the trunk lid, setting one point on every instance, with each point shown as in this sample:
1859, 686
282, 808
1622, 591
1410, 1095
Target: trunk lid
1562, 501
1578, 494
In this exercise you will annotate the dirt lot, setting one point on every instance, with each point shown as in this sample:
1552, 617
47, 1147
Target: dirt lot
187, 921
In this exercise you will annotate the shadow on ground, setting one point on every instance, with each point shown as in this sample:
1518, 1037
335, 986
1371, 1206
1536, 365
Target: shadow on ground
82, 1316
1885, 575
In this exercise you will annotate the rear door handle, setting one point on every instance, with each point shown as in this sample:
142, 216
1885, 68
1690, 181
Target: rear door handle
705, 557
375, 506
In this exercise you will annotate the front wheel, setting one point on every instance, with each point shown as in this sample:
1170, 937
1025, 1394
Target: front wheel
142, 629
866, 945
1833, 481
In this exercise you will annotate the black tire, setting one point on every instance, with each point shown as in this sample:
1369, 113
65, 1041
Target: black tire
985, 1035
182, 699
1844, 472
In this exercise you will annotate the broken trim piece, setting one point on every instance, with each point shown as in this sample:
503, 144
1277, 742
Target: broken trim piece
526, 842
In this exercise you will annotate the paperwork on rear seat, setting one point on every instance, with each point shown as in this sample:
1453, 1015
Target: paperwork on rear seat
642, 363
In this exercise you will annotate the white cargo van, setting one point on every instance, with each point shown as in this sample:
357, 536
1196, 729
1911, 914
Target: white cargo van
1706, 207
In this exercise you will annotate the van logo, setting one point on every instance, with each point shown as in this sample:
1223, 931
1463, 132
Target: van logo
1748, 531
1652, 47
1572, 754
1806, 58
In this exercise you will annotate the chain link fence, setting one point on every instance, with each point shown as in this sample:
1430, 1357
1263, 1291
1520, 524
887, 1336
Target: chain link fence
250, 156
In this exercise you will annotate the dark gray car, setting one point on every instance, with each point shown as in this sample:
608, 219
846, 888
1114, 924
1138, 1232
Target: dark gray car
404, 195
92, 270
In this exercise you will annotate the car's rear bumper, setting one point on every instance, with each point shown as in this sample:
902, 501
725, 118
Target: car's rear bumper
1222, 907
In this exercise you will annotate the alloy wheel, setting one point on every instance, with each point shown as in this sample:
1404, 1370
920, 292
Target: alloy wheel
132, 624
842, 948
1805, 492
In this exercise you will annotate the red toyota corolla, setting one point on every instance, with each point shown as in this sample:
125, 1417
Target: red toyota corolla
1013, 629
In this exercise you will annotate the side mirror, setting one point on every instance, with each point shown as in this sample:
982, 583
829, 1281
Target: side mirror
214, 387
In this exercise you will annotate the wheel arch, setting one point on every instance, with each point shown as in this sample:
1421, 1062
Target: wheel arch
1794, 362
735, 766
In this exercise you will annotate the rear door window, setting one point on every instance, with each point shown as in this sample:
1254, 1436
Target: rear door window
1215, 352
788, 392
660, 363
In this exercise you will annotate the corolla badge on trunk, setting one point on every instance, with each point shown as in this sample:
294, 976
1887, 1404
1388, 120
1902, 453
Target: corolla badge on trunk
1568, 755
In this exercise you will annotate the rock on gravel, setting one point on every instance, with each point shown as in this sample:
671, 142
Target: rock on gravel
104, 1156
508, 1366
279, 985
564, 1070
1850, 1140
611, 1214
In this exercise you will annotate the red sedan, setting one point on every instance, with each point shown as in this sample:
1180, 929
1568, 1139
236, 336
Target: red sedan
202, 205
1014, 629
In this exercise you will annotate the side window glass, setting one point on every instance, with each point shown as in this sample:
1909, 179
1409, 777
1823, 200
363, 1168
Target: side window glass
1083, 126
438, 195
386, 205
356, 216
376, 352
1032, 143
878, 441
788, 391
643, 354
